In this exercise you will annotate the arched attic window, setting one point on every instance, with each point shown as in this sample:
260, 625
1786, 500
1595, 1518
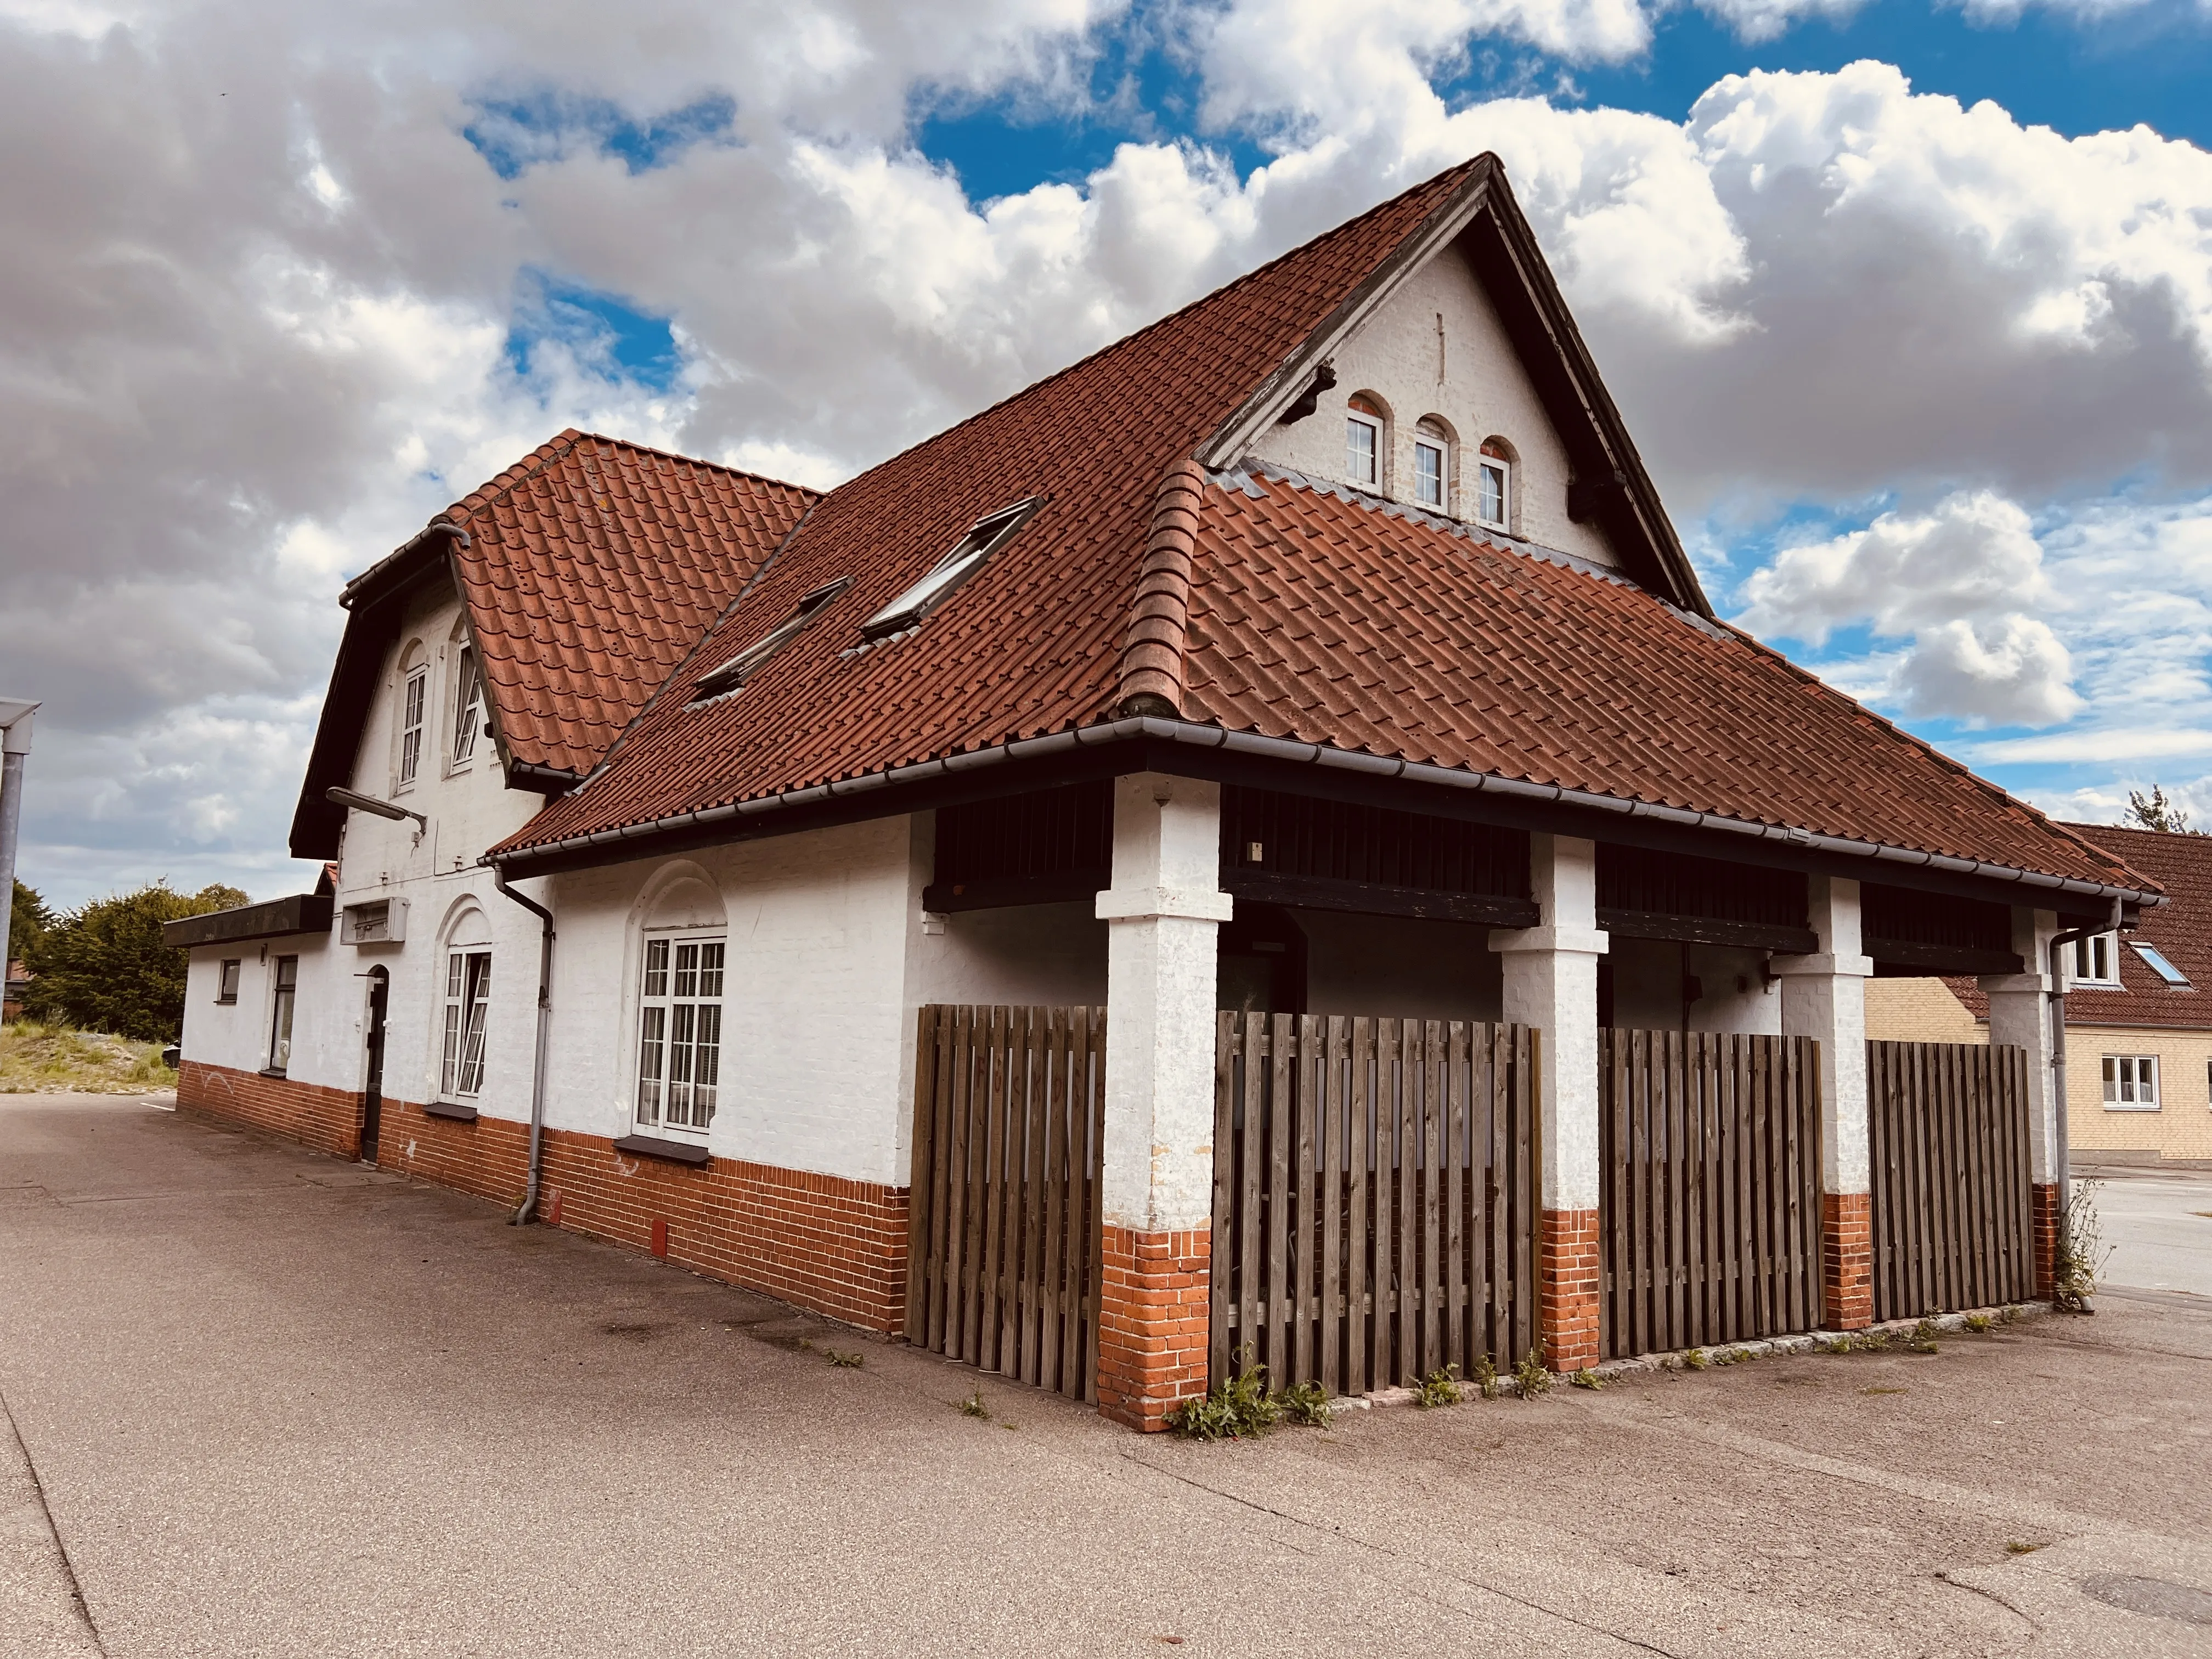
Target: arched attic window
414, 712
468, 698
1493, 485
1366, 433
1432, 458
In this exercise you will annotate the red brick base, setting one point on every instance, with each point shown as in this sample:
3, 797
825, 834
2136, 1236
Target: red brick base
1152, 1322
822, 1242
1568, 1290
1847, 1260
2043, 1238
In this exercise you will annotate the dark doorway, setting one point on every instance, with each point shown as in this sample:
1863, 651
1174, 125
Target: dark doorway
1263, 962
371, 1092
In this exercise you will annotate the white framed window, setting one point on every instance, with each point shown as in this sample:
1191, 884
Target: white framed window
1493, 491
468, 1006
679, 1034
468, 706
2130, 1083
226, 984
287, 994
2096, 960
414, 709
1363, 449
1431, 470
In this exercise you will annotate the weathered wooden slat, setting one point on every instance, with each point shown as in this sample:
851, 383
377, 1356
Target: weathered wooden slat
1453, 1172
1254, 1162
1274, 1322
1305, 1239
1362, 1312
1331, 1242
1223, 1277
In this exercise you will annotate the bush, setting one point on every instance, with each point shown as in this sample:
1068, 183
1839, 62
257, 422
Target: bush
105, 968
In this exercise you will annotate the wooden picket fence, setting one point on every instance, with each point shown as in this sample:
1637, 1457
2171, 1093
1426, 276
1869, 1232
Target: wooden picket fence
1375, 1197
1953, 1222
1002, 1250
1709, 1213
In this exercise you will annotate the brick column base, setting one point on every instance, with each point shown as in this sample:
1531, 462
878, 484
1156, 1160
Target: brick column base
1847, 1260
1568, 1291
2043, 1238
1152, 1322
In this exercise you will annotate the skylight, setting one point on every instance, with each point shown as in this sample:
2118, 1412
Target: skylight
984, 538
740, 668
2155, 959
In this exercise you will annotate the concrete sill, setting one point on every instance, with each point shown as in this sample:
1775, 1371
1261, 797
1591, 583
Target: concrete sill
674, 1152
275, 1072
446, 1108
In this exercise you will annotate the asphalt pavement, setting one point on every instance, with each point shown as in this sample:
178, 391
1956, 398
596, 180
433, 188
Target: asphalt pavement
271, 1403
2156, 1227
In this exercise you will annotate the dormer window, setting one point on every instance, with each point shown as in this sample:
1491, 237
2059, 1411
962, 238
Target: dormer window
1494, 486
984, 538
2096, 960
1363, 442
1432, 466
735, 673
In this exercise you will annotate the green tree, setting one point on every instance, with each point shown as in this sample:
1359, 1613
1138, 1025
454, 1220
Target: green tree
2155, 812
27, 920
105, 968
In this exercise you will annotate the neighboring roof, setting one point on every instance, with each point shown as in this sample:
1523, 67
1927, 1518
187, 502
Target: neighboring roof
2181, 929
300, 912
589, 569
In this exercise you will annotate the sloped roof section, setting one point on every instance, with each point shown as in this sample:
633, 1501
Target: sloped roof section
1032, 643
591, 568
1327, 617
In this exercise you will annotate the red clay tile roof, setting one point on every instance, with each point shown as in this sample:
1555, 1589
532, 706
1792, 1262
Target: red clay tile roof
1300, 612
592, 567
1032, 643
2181, 928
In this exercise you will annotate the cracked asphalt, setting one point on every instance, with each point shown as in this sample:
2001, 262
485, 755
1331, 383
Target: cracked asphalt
270, 1403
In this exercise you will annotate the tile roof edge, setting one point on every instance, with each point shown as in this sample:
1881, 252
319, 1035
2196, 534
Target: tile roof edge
1152, 650
1131, 728
565, 443
2154, 895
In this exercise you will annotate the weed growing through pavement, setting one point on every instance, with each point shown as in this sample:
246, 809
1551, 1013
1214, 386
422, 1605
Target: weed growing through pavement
1485, 1377
1978, 1323
1438, 1387
2079, 1252
1532, 1375
2007, 1314
1243, 1407
848, 1361
1871, 1341
1587, 1378
2016, 1547
973, 1405
1732, 1355
1879, 1390
1837, 1345
1923, 1340
1695, 1358
1307, 1406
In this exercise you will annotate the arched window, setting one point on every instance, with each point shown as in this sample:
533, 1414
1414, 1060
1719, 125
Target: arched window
414, 710
468, 698
1365, 427
1493, 485
684, 958
1432, 463
466, 1010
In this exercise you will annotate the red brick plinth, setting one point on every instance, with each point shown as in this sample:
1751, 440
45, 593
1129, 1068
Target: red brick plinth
1567, 1291
1152, 1323
2044, 1220
1847, 1260
824, 1241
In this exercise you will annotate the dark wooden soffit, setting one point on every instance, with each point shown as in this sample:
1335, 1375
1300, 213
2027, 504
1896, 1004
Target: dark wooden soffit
1911, 959
301, 912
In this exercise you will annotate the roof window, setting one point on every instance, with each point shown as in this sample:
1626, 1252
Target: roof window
740, 668
984, 538
2157, 961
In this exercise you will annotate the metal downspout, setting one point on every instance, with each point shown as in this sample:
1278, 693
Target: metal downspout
2055, 997
529, 1205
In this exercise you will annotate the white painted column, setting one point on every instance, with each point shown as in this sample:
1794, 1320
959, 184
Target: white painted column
1551, 983
1824, 997
2020, 1016
1164, 912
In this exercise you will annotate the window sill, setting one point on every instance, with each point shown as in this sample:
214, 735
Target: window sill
673, 1151
2139, 1107
274, 1071
225, 1002
447, 1109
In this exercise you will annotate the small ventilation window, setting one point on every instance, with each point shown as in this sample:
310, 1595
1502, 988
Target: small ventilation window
740, 668
984, 538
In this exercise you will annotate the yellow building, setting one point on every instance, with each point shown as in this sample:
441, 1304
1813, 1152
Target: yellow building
2138, 1013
